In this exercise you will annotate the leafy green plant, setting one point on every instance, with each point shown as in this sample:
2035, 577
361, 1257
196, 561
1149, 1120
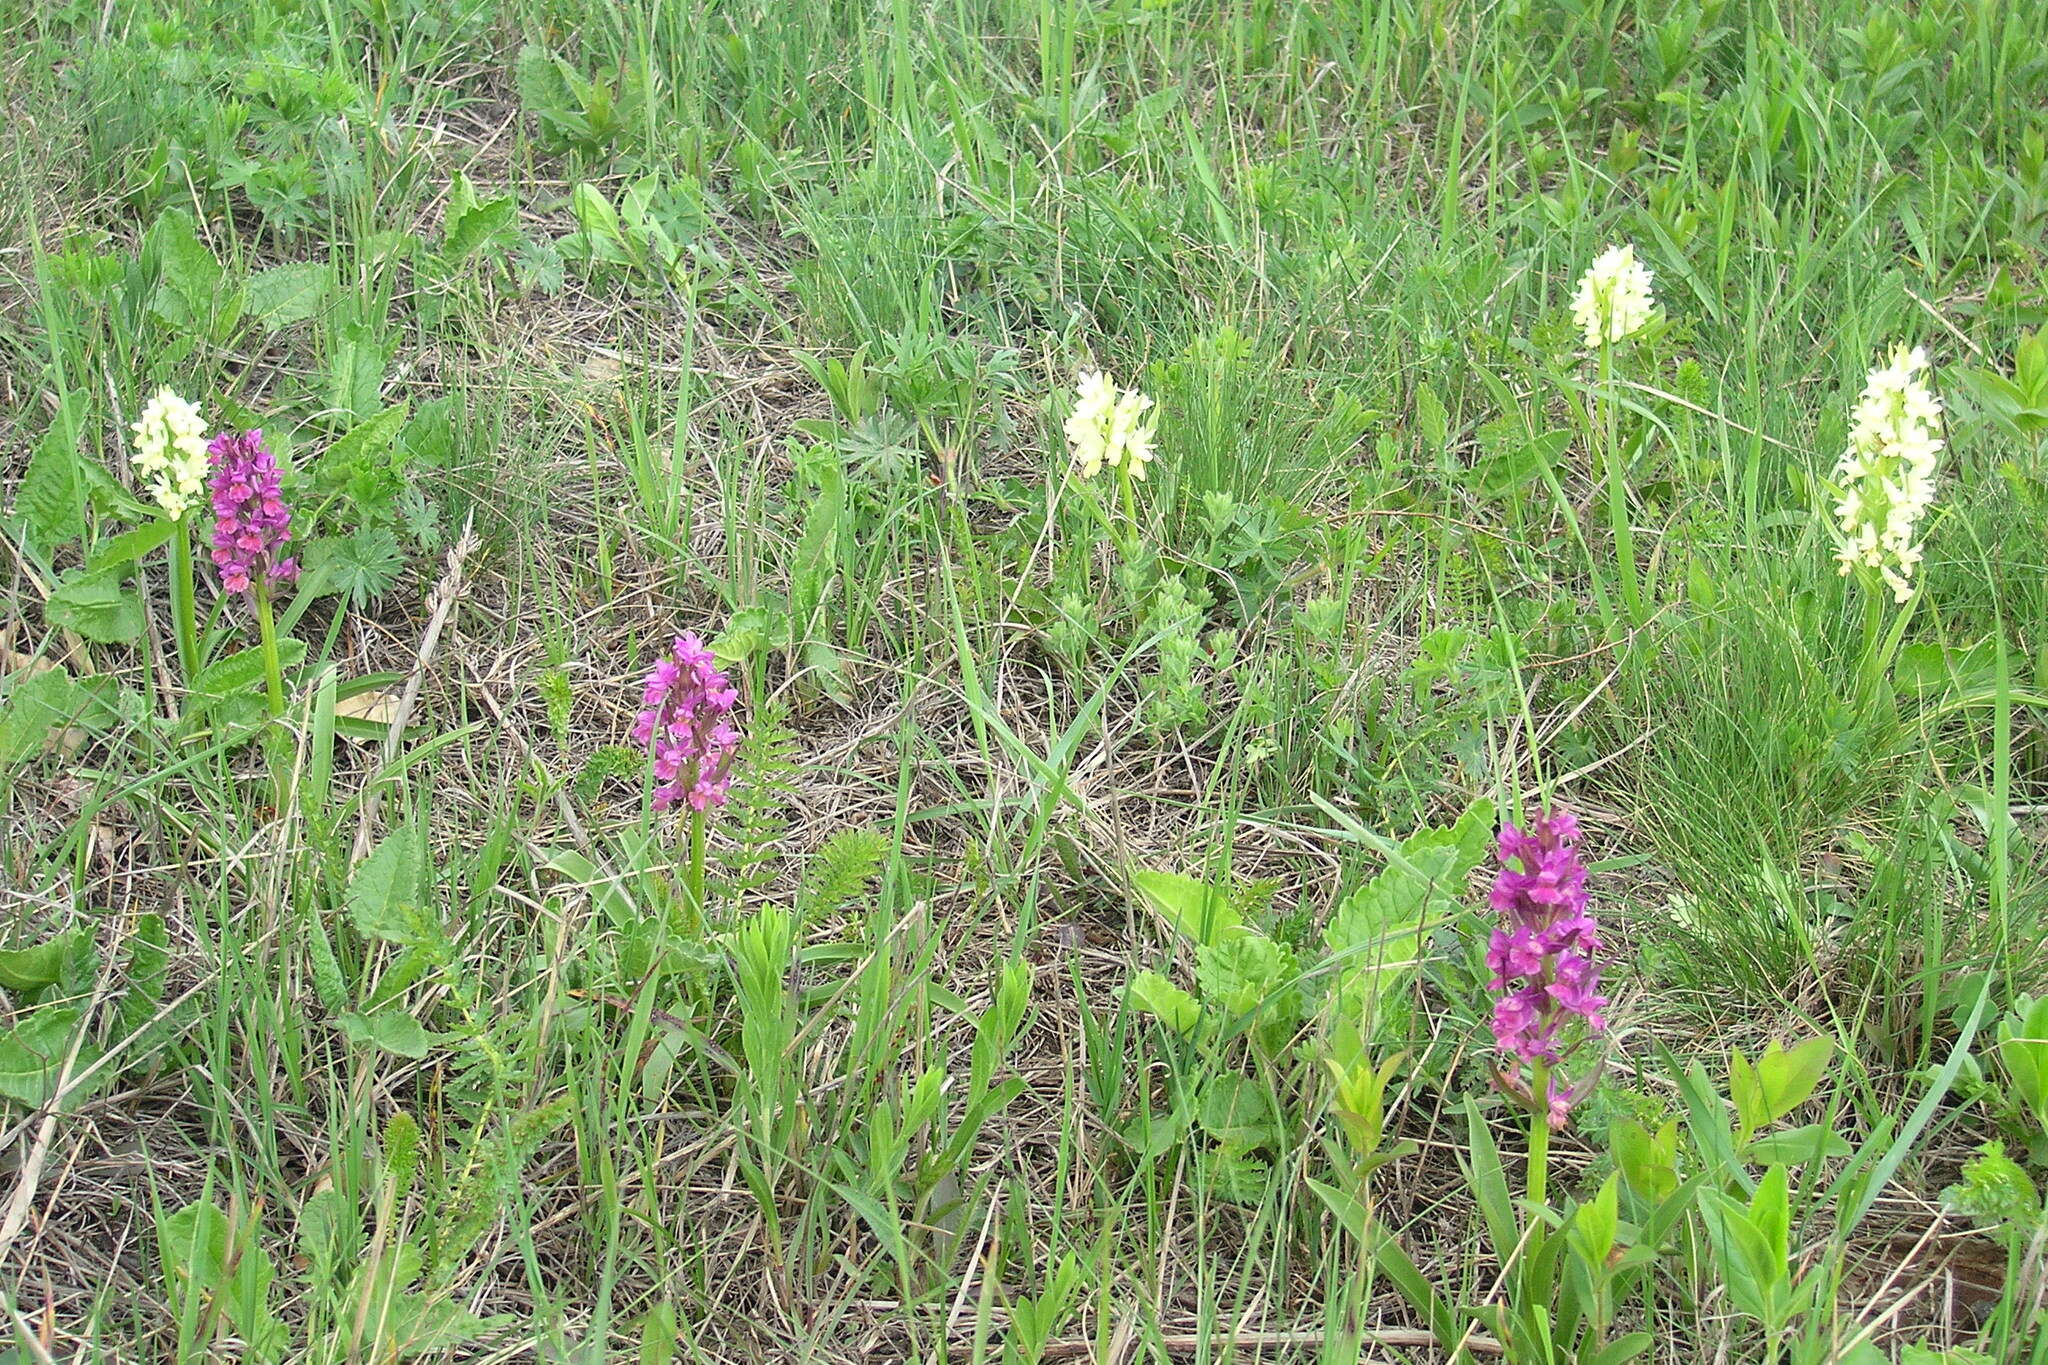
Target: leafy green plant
576, 113
2017, 405
1752, 1241
653, 238
2022, 1054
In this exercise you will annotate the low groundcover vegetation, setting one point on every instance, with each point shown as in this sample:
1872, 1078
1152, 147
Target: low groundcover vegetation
1013, 680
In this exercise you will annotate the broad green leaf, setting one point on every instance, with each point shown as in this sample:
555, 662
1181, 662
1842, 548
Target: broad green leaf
1398, 1266
415, 1325
542, 86
1624, 1348
471, 223
1344, 1206
996, 1030
391, 1029
47, 963
1502, 475
1376, 932
1797, 1146
888, 1228
32, 1054
1744, 1252
242, 671
210, 1262
31, 706
1595, 1225
289, 293
372, 435
1244, 973
1746, 1092
355, 369
129, 546
596, 215
318, 1235
1770, 1212
1648, 1161
1423, 879
1164, 1001
188, 293
1431, 419
144, 972
1359, 1091
96, 606
1190, 908
1237, 1112
2023, 1052
1781, 1081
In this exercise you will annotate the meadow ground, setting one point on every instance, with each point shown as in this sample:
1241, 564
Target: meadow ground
1094, 956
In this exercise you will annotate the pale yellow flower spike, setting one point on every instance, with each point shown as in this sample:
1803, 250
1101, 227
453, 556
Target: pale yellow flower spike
1109, 429
170, 452
1887, 474
1613, 299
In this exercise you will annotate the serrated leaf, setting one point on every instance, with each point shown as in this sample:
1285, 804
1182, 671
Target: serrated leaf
381, 894
1164, 1001
95, 606
361, 566
188, 289
1995, 1192
1236, 1176
52, 492
355, 369
1423, 880
417, 1325
1244, 973
371, 436
542, 87
391, 1029
1502, 475
145, 971
288, 293
328, 987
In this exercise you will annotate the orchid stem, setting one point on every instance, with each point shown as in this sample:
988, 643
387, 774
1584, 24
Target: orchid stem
273, 669
695, 873
1617, 493
184, 614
